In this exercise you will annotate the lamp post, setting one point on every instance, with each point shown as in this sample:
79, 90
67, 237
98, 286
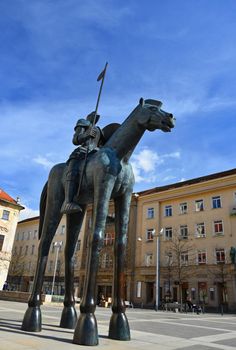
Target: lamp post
157, 267
157, 301
57, 245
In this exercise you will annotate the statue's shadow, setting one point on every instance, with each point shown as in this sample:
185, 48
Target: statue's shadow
14, 326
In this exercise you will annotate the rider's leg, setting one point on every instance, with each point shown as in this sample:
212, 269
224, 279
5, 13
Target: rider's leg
71, 184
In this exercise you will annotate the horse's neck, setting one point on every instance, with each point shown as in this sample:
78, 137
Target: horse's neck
125, 139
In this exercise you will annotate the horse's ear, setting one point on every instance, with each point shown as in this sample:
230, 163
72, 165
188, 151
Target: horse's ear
141, 101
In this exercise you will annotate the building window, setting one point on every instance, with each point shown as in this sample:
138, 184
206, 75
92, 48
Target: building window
50, 266
90, 222
150, 213
32, 249
1, 241
106, 261
183, 208
5, 214
15, 251
168, 210
150, 234
184, 258
22, 236
212, 294
220, 256
35, 234
216, 202
199, 206
63, 228
20, 252
29, 266
78, 245
234, 197
201, 257
218, 227
169, 258
109, 239
168, 233
184, 232
59, 264
200, 230
29, 234
138, 289
26, 249
149, 259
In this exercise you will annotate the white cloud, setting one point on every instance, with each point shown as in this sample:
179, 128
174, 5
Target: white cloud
28, 213
146, 159
168, 178
146, 162
47, 164
172, 155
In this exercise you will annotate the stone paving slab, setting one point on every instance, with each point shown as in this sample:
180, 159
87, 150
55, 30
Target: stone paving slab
149, 330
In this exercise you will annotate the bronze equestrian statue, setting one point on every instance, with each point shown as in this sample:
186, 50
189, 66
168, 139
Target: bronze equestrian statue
108, 174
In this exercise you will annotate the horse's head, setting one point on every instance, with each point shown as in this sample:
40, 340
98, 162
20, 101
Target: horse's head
152, 117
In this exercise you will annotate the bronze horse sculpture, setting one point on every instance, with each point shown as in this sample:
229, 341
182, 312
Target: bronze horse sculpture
108, 174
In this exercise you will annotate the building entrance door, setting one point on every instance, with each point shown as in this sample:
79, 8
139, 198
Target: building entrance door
149, 292
104, 291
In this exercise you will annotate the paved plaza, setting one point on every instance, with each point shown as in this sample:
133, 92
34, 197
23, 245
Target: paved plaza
149, 330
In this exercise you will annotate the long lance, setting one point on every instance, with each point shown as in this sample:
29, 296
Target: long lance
100, 77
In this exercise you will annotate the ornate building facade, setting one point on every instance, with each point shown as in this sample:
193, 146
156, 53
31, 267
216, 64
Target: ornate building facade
9, 214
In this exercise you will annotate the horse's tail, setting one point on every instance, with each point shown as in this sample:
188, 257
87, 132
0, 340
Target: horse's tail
42, 208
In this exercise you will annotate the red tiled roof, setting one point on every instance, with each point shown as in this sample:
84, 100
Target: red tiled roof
5, 197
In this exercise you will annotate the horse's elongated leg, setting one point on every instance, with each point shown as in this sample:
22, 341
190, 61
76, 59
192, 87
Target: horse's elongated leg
119, 326
86, 332
32, 319
73, 226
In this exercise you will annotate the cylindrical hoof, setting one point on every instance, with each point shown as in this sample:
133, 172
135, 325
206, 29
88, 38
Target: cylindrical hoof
86, 331
68, 317
119, 327
32, 321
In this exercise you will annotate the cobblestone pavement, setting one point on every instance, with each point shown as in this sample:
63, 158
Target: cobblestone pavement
149, 330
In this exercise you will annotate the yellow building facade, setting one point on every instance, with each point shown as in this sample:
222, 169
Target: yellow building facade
24, 258
195, 224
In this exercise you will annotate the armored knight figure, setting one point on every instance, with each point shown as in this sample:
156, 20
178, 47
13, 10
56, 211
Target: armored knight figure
88, 137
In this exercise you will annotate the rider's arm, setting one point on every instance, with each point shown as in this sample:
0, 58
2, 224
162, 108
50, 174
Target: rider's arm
83, 135
80, 136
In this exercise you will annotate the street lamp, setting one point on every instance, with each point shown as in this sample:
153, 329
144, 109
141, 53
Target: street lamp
57, 245
157, 301
157, 267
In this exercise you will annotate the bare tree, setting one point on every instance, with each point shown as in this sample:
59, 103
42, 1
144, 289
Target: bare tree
17, 270
221, 273
180, 261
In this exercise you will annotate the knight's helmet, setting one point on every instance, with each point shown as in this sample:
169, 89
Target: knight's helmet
90, 117
86, 123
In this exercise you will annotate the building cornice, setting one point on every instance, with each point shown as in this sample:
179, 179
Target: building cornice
29, 219
192, 186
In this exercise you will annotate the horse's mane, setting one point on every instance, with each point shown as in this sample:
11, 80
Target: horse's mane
108, 131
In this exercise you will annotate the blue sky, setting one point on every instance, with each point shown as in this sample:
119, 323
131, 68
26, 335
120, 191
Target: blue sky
181, 52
